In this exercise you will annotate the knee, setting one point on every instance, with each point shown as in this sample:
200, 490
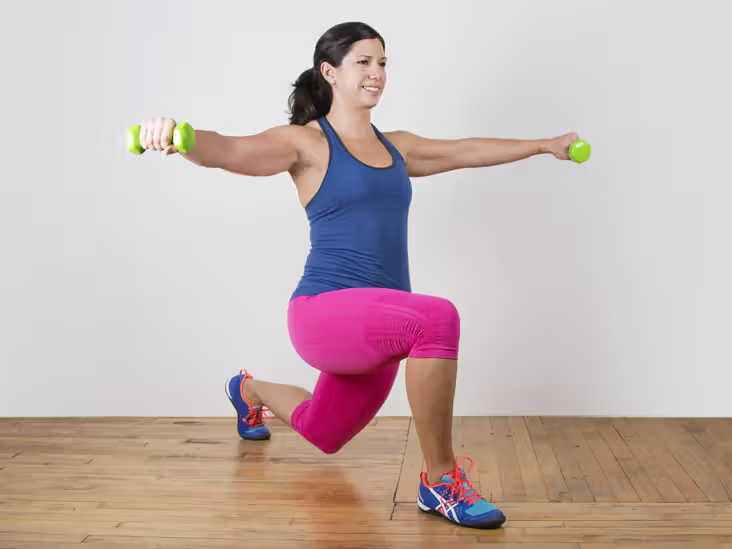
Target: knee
448, 312
316, 434
442, 319
440, 329
327, 445
328, 438
330, 448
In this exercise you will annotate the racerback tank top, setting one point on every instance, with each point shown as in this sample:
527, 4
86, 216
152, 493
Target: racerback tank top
358, 223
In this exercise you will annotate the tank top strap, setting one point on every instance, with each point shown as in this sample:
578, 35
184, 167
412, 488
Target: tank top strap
394, 151
330, 134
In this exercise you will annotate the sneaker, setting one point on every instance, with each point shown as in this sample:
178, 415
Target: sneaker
249, 418
457, 501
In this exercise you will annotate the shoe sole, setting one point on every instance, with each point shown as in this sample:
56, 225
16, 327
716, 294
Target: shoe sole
226, 390
487, 526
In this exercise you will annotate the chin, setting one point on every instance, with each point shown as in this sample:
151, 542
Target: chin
370, 101
371, 104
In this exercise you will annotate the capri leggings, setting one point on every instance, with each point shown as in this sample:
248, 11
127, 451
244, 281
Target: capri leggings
357, 338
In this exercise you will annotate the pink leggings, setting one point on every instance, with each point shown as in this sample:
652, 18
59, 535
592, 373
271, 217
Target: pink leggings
356, 338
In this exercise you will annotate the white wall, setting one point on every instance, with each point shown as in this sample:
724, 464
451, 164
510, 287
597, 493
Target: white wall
134, 286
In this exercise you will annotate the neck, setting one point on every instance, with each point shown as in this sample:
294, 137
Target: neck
350, 123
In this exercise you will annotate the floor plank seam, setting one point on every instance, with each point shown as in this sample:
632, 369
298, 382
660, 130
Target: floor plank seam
401, 468
598, 464
585, 478
533, 449
625, 474
688, 475
641, 467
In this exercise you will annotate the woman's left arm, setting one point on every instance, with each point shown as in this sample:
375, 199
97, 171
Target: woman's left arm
432, 156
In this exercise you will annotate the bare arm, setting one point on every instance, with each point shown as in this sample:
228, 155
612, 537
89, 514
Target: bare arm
271, 152
431, 156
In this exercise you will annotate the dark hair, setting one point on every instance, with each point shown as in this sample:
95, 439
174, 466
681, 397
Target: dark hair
313, 95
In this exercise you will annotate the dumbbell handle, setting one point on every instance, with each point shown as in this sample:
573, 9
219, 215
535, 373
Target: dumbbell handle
184, 138
579, 151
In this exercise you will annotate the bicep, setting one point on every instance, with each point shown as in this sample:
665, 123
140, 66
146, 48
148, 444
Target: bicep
271, 152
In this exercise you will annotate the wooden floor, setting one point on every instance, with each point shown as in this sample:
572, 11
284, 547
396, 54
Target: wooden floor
563, 483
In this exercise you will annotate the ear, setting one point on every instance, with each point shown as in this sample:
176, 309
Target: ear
328, 71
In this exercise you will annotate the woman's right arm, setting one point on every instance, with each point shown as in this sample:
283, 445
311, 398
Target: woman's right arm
271, 152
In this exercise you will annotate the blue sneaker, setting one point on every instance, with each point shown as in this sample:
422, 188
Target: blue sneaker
249, 418
457, 501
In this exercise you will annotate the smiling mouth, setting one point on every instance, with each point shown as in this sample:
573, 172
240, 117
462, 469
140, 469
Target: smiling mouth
372, 90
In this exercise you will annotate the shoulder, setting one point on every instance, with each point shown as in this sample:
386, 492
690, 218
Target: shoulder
303, 139
400, 136
403, 141
310, 142
299, 135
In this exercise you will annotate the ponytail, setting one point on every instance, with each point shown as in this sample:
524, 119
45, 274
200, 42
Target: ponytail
311, 97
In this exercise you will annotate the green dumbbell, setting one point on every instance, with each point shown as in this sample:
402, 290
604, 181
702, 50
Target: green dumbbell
184, 138
579, 151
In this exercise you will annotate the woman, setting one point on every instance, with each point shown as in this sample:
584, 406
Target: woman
353, 316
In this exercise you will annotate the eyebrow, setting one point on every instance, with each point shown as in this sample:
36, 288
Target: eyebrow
369, 56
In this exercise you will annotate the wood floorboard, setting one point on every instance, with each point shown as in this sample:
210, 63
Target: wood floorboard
562, 482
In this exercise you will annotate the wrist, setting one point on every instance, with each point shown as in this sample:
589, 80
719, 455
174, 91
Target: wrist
545, 146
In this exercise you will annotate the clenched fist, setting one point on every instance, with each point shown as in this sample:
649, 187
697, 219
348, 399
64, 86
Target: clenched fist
157, 134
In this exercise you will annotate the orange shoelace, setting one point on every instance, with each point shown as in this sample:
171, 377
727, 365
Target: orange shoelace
460, 489
255, 415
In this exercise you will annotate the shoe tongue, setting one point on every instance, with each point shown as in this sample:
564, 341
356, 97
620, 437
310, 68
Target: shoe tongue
449, 478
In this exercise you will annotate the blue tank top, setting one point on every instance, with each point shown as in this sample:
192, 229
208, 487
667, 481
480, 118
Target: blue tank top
358, 223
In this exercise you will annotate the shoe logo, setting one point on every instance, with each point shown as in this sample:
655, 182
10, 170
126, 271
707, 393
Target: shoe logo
446, 506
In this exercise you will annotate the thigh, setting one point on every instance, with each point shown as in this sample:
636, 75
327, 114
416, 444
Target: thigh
357, 330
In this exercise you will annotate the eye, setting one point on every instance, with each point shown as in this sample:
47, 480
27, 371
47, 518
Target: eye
366, 62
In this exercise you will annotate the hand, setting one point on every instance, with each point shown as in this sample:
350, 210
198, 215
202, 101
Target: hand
156, 134
559, 146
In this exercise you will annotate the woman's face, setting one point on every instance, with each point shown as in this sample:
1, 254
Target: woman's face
361, 78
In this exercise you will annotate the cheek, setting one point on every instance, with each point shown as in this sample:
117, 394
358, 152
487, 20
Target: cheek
357, 81
350, 78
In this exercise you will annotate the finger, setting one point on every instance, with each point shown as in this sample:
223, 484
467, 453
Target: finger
162, 143
156, 134
143, 135
170, 149
149, 133
167, 132
152, 137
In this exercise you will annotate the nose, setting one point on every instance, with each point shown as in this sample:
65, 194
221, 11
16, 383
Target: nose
377, 74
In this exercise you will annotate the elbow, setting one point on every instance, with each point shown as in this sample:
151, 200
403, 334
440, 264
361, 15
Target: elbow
468, 154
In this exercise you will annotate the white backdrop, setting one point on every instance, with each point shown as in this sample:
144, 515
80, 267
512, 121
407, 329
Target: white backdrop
136, 285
